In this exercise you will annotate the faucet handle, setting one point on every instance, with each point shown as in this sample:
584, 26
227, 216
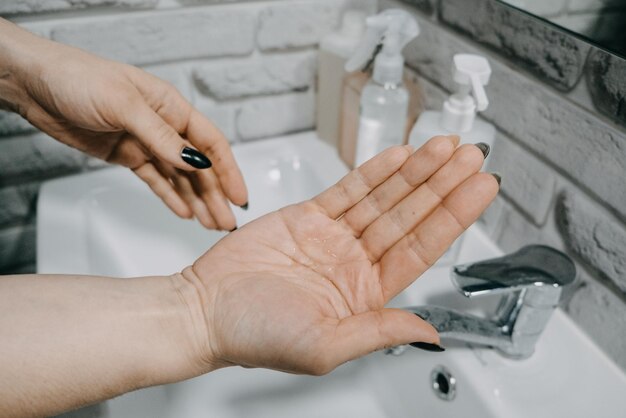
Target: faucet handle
531, 266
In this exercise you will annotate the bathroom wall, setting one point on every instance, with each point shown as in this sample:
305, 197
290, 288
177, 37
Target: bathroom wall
559, 106
248, 66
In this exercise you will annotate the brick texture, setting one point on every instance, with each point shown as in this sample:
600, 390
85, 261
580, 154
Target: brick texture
292, 25
12, 123
18, 203
606, 77
546, 51
17, 246
159, 36
36, 157
426, 6
529, 182
594, 236
270, 74
11, 7
580, 143
264, 117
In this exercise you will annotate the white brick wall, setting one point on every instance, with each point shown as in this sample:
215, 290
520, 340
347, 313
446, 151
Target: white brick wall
247, 65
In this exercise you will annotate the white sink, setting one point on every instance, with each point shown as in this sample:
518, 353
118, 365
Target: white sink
109, 223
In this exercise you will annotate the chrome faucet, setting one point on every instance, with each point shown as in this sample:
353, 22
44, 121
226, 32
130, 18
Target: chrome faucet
530, 280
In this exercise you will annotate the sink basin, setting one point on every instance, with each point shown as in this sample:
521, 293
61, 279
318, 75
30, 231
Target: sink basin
109, 223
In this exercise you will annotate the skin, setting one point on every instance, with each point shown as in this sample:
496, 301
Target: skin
300, 290
125, 116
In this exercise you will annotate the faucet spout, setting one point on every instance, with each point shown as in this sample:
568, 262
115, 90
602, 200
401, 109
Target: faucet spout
530, 281
455, 325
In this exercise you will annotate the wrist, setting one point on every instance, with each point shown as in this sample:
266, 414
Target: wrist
174, 342
195, 306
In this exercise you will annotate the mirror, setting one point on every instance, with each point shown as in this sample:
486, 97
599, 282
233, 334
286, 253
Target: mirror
600, 22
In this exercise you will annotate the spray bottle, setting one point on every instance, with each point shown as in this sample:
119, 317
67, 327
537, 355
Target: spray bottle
384, 100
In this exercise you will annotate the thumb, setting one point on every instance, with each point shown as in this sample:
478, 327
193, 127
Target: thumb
162, 140
364, 333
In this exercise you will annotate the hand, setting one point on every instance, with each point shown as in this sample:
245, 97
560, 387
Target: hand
303, 289
126, 116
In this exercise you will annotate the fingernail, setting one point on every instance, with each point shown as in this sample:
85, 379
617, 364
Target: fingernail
484, 148
194, 158
244, 206
497, 177
234, 229
428, 347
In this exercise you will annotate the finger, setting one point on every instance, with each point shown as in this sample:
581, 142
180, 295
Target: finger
163, 188
395, 223
337, 199
210, 141
208, 188
185, 189
364, 333
421, 247
161, 139
419, 167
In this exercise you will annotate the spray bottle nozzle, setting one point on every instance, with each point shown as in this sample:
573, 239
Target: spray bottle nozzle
394, 28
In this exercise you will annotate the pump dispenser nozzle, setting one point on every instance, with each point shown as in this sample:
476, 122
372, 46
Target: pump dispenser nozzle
471, 73
394, 28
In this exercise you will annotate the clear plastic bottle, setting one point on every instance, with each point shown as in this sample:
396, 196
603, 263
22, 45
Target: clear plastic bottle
382, 122
384, 101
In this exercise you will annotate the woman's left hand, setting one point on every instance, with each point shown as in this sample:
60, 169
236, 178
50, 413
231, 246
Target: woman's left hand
123, 115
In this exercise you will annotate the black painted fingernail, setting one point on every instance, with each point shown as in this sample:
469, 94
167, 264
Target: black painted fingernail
194, 158
428, 347
244, 206
234, 229
484, 148
497, 177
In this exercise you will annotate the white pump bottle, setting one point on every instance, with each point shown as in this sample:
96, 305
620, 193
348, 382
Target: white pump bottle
458, 115
384, 100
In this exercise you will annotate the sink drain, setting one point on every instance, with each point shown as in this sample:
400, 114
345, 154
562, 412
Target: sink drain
443, 383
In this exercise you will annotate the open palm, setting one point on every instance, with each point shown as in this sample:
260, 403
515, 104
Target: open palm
303, 289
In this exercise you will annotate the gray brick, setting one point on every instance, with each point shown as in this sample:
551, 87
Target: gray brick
11, 7
303, 23
602, 315
35, 157
514, 231
606, 78
175, 74
271, 74
17, 246
277, 115
549, 53
545, 8
222, 115
12, 123
426, 6
590, 151
529, 182
595, 236
164, 35
18, 203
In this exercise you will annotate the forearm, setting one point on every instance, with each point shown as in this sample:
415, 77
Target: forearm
68, 341
18, 60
